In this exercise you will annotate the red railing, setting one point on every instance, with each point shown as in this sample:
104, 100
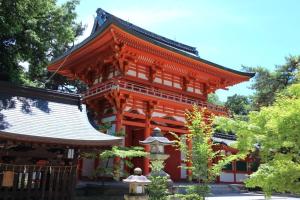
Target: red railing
133, 87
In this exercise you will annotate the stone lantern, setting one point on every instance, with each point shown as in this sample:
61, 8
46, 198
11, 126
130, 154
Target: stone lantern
157, 150
157, 142
137, 184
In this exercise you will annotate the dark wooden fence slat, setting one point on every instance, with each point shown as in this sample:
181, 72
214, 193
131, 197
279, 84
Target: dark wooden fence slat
44, 182
64, 184
22, 179
67, 184
50, 190
16, 181
37, 189
29, 183
73, 178
37, 183
57, 185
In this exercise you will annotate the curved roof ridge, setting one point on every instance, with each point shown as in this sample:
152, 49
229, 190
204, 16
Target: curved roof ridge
102, 16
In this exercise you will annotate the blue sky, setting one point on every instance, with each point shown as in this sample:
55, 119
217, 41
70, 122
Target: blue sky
228, 32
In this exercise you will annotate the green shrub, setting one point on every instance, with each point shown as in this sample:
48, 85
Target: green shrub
157, 189
185, 197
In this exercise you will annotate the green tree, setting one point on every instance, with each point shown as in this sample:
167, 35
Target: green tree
158, 188
267, 83
201, 154
274, 130
214, 99
35, 31
238, 104
126, 154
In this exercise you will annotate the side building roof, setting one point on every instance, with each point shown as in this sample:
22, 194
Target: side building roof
46, 116
224, 138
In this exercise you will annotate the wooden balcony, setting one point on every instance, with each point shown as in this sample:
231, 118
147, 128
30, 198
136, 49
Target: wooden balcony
146, 90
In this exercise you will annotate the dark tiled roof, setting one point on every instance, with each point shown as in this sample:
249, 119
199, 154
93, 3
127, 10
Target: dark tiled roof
224, 138
104, 19
102, 16
38, 115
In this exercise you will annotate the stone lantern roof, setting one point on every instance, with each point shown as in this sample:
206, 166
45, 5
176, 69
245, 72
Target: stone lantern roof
157, 138
137, 178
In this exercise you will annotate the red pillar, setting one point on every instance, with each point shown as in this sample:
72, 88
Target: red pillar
147, 132
117, 160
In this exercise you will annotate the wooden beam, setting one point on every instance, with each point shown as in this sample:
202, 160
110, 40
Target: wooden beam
169, 129
133, 115
168, 121
131, 123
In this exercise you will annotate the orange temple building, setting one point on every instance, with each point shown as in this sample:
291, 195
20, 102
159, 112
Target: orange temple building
138, 80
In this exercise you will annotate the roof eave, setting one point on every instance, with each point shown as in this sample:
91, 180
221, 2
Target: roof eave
111, 21
59, 141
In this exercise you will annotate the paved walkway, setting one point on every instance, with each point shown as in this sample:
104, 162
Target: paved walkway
236, 192
116, 190
248, 196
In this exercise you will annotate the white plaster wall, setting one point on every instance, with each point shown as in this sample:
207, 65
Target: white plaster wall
180, 119
177, 85
241, 177
227, 177
157, 114
140, 111
127, 108
183, 174
131, 72
142, 76
157, 80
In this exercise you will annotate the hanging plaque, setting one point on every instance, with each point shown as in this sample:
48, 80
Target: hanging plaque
8, 179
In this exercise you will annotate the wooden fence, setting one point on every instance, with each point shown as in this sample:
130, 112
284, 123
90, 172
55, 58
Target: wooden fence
32, 182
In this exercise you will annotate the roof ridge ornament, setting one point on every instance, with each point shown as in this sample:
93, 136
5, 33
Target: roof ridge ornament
101, 16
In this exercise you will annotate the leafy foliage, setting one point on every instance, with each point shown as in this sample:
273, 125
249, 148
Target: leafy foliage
199, 123
124, 153
267, 84
193, 196
35, 31
238, 104
157, 189
214, 99
275, 131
